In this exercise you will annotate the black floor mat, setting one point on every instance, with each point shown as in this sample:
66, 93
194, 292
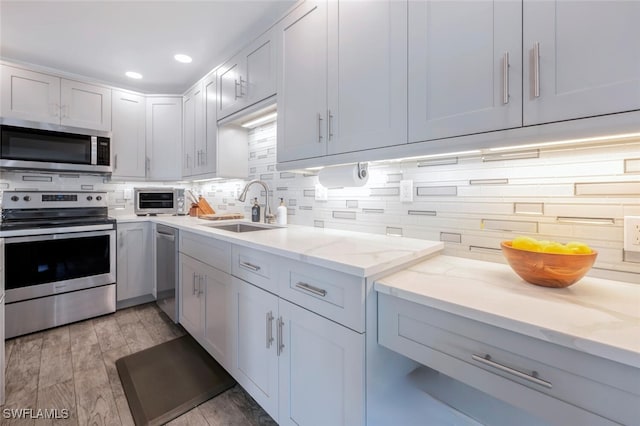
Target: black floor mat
167, 380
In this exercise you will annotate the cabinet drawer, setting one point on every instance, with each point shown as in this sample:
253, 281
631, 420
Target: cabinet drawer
255, 266
207, 250
332, 294
559, 384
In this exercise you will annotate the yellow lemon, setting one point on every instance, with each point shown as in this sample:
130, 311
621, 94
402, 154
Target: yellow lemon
555, 247
579, 248
525, 243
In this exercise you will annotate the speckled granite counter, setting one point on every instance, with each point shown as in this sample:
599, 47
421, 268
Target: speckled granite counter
596, 316
354, 253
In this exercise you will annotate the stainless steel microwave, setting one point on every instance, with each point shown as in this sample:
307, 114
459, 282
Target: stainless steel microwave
153, 201
26, 148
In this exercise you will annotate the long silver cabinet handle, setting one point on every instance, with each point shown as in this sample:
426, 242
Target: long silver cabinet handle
247, 265
242, 84
115, 162
312, 289
280, 324
533, 377
200, 280
536, 70
269, 329
330, 136
235, 90
147, 164
319, 128
194, 284
505, 78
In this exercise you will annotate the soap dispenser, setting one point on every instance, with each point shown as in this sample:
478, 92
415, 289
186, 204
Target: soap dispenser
281, 213
255, 211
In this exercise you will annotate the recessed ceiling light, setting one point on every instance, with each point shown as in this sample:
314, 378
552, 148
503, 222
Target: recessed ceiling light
133, 74
185, 59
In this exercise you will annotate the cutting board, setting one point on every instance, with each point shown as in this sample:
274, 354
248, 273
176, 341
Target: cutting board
220, 216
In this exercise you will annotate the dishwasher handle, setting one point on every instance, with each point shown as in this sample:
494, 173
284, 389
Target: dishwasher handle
168, 237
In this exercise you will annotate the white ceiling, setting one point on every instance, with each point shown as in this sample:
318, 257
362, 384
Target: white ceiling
104, 39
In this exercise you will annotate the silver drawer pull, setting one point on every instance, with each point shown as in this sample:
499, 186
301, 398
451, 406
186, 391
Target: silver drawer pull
311, 289
269, 329
533, 377
248, 265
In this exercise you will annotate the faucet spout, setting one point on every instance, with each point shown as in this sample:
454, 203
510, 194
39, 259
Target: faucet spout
268, 216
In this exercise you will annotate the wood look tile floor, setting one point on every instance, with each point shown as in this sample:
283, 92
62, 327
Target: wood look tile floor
72, 367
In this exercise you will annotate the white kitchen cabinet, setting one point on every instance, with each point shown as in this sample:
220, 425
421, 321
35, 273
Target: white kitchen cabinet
556, 384
343, 78
302, 84
321, 370
248, 77
205, 307
300, 367
208, 150
45, 98
465, 68
582, 59
128, 135
255, 363
134, 275
164, 137
193, 129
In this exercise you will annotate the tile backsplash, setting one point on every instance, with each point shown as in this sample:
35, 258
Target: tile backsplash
469, 203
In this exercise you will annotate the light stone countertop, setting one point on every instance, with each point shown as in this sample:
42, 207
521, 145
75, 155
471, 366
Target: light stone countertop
354, 253
597, 316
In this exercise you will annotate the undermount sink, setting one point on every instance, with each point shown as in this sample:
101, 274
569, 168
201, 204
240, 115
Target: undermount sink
241, 227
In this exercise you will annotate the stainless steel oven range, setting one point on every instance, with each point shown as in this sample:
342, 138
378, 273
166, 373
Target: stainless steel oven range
59, 259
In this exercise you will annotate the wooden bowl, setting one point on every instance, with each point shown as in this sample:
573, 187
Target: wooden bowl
548, 269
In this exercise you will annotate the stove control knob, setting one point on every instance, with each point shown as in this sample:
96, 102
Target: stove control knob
89, 198
14, 198
26, 198
99, 198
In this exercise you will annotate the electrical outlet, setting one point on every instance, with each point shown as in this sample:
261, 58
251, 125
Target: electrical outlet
322, 193
128, 194
632, 233
406, 191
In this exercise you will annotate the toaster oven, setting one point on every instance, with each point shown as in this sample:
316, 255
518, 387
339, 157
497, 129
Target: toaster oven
154, 201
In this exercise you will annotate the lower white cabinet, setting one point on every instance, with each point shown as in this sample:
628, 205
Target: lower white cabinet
553, 383
205, 295
134, 276
302, 368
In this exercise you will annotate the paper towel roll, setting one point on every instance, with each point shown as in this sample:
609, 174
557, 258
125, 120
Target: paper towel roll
341, 176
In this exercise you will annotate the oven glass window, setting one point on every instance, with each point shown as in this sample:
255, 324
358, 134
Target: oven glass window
40, 145
155, 200
39, 262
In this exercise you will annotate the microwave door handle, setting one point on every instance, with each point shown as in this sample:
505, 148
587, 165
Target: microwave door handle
94, 150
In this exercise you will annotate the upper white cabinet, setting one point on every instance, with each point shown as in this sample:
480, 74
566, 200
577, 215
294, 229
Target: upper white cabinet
34, 96
128, 135
193, 130
164, 138
248, 77
465, 68
208, 151
342, 81
582, 59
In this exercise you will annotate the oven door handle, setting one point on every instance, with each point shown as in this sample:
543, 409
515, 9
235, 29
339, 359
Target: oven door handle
60, 235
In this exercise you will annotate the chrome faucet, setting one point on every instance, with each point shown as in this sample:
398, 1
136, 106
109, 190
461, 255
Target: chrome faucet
268, 216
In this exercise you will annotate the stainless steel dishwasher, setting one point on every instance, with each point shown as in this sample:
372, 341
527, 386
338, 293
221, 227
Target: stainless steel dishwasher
167, 270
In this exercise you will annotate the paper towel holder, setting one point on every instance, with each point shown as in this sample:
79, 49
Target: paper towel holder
363, 170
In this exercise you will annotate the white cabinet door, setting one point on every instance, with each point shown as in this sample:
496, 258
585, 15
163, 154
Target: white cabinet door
128, 135
28, 95
193, 130
85, 105
367, 71
255, 363
190, 295
589, 59
164, 137
217, 323
464, 68
134, 263
302, 83
231, 85
209, 157
260, 69
321, 370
